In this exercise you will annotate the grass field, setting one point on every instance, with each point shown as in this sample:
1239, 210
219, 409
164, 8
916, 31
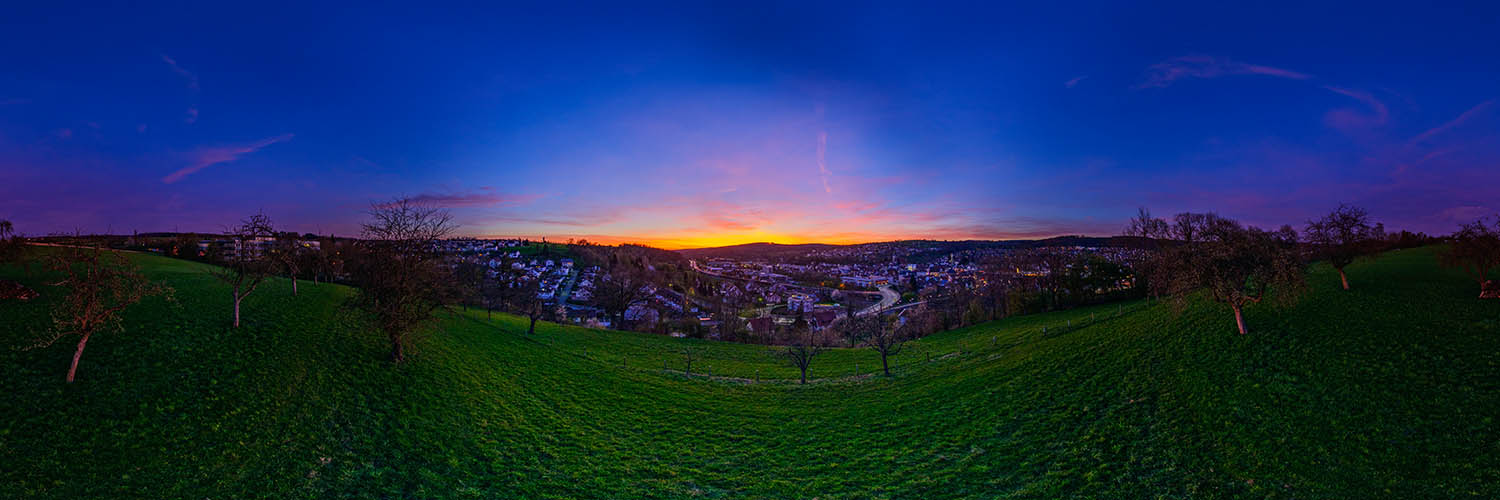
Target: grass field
1391, 390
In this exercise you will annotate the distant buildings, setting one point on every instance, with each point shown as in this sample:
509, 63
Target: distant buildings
801, 302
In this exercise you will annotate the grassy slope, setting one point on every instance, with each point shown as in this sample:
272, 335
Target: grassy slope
1388, 391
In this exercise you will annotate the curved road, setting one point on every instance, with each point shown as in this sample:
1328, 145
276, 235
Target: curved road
888, 298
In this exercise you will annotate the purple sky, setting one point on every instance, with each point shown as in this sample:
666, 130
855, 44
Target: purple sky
695, 126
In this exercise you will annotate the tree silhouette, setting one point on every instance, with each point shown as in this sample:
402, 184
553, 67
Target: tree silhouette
402, 282
1475, 249
802, 345
877, 333
1237, 265
1341, 236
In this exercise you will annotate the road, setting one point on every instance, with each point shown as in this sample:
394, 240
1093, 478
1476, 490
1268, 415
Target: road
888, 298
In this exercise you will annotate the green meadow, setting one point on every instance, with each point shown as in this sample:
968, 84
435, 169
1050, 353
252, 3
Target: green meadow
1391, 390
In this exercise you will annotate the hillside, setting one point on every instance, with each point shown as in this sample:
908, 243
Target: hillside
1391, 390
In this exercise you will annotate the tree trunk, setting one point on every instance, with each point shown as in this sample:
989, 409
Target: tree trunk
398, 352
531, 329
294, 285
237, 300
73, 368
804, 374
1343, 278
885, 365
1239, 319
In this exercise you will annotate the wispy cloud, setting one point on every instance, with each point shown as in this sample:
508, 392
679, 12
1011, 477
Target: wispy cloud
1074, 81
1465, 116
1349, 120
207, 157
1164, 73
192, 78
191, 116
822, 160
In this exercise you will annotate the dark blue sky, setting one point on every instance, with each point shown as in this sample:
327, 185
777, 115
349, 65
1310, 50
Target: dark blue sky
690, 125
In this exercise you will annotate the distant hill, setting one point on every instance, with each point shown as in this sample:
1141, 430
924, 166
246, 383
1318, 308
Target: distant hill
777, 251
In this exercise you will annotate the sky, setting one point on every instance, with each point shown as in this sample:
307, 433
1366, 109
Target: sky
710, 123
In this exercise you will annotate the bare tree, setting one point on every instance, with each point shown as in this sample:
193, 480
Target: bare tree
469, 277
1475, 249
876, 332
522, 296
624, 286
402, 282
689, 354
1341, 236
287, 253
801, 345
10, 243
101, 284
1238, 266
246, 265
1146, 226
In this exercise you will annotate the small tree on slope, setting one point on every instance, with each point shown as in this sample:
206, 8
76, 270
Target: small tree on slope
1238, 266
877, 333
803, 344
247, 265
100, 285
1475, 249
402, 282
1341, 236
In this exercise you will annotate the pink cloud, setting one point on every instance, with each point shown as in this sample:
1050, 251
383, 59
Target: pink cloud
1074, 82
1350, 120
1164, 73
192, 115
1465, 116
208, 157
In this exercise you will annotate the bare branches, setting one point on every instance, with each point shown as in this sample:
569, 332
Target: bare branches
877, 333
402, 281
1341, 236
1475, 250
1235, 264
245, 263
101, 285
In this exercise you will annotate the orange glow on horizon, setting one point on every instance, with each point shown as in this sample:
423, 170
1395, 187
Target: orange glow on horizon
685, 242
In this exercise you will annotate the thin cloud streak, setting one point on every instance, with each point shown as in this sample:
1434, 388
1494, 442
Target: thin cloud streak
1162, 74
1465, 116
213, 156
192, 79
